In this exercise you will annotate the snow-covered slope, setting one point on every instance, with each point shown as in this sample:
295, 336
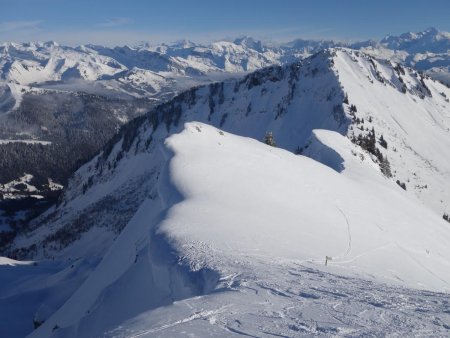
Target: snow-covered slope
339, 90
227, 205
412, 113
308, 199
208, 212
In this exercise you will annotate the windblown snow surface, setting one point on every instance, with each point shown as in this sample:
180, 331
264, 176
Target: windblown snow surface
224, 235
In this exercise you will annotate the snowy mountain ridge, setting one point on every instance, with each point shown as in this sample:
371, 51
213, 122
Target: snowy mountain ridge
340, 90
189, 218
57, 78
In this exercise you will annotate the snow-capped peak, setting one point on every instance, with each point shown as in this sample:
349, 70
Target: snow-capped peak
429, 40
249, 42
183, 44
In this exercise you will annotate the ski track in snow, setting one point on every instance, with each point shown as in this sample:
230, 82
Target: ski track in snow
195, 316
349, 248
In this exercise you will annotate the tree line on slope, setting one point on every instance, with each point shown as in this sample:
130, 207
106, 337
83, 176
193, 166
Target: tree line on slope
77, 124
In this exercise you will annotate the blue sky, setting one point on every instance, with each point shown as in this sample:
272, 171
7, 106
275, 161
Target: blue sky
115, 22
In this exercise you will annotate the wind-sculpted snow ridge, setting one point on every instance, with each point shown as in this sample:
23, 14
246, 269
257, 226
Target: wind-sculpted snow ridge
234, 240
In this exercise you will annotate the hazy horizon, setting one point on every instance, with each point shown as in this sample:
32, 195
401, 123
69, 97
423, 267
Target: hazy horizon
113, 23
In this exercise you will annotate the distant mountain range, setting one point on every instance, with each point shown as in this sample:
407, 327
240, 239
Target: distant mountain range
147, 70
159, 72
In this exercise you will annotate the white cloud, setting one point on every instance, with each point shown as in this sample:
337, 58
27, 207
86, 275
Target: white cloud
114, 22
8, 26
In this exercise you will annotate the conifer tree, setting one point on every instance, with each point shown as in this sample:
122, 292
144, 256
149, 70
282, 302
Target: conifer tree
268, 139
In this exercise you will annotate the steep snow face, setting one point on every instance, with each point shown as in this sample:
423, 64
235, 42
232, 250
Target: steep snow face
227, 212
288, 101
412, 113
